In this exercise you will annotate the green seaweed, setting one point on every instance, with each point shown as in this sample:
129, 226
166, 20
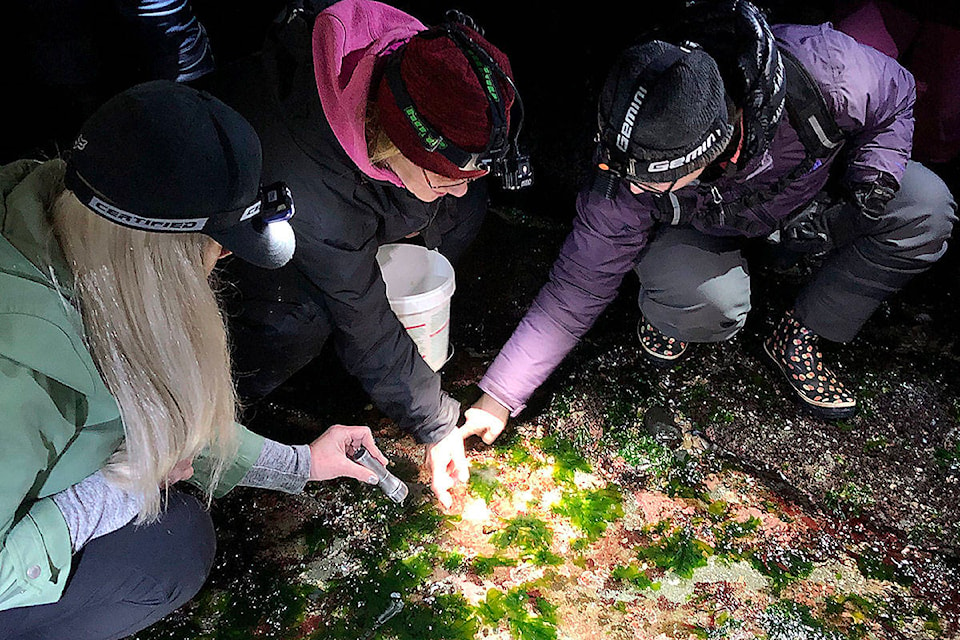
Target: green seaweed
454, 562
646, 454
718, 510
872, 565
850, 612
271, 603
722, 417
783, 567
788, 620
723, 626
567, 460
316, 536
516, 452
590, 511
619, 415
484, 565
532, 538
729, 536
635, 575
680, 552
447, 616
416, 525
528, 615
931, 619
483, 483
850, 499
948, 458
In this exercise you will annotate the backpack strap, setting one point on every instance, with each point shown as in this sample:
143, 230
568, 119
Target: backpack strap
808, 112
817, 131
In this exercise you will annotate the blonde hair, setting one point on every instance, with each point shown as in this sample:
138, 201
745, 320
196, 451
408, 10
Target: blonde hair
380, 147
157, 336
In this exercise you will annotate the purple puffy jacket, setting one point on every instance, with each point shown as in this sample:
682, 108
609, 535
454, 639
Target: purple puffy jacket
871, 98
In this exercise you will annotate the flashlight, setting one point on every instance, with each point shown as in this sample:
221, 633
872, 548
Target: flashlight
390, 484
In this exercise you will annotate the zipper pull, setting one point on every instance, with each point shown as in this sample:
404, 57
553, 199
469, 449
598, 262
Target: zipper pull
718, 200
717, 197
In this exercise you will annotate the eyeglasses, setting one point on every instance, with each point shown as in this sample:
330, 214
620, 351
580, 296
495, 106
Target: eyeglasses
450, 185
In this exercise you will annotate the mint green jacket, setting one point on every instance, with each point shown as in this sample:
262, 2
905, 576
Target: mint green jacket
58, 422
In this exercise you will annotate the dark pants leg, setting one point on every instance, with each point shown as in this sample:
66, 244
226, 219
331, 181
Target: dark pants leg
127, 580
911, 235
694, 287
275, 327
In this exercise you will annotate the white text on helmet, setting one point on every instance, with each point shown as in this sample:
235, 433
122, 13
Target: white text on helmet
665, 165
623, 139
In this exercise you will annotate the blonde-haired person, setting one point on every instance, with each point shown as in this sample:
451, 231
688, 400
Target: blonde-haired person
115, 375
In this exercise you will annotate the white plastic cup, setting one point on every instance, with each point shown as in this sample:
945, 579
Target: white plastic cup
420, 283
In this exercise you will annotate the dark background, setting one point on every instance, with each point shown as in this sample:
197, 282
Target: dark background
65, 57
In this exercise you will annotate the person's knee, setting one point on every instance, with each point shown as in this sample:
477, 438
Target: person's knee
713, 315
186, 547
926, 206
725, 306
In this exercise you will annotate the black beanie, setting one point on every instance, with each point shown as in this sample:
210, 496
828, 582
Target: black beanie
164, 157
663, 112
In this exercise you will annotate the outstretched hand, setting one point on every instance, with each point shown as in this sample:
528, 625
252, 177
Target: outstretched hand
486, 418
448, 465
329, 459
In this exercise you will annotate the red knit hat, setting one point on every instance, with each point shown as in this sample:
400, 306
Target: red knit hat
446, 91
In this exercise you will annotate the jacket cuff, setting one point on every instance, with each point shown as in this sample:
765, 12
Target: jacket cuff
36, 558
234, 471
439, 428
494, 391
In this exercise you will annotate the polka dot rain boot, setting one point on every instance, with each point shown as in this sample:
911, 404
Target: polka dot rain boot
659, 349
795, 350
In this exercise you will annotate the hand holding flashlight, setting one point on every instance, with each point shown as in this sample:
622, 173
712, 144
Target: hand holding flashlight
329, 454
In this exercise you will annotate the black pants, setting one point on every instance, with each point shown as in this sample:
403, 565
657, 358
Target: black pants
274, 338
125, 581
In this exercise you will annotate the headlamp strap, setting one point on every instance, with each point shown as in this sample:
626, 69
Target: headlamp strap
487, 72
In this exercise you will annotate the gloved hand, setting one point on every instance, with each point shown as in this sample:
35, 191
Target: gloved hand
825, 224
816, 228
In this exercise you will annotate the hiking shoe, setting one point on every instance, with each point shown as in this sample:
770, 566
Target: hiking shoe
660, 349
795, 350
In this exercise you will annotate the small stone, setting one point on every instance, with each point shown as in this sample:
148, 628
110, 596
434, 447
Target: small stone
659, 423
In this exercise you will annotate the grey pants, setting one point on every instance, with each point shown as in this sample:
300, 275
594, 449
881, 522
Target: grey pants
696, 287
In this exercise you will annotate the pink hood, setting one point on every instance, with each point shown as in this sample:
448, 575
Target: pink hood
348, 40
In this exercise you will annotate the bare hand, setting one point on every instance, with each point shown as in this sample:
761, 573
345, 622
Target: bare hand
329, 459
486, 418
447, 465
183, 470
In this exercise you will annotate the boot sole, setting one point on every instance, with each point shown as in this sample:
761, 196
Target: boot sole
818, 409
664, 363
657, 360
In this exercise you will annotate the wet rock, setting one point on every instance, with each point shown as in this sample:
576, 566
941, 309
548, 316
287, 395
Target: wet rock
661, 424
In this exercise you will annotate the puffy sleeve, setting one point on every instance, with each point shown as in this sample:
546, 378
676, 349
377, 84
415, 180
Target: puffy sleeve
870, 94
604, 244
